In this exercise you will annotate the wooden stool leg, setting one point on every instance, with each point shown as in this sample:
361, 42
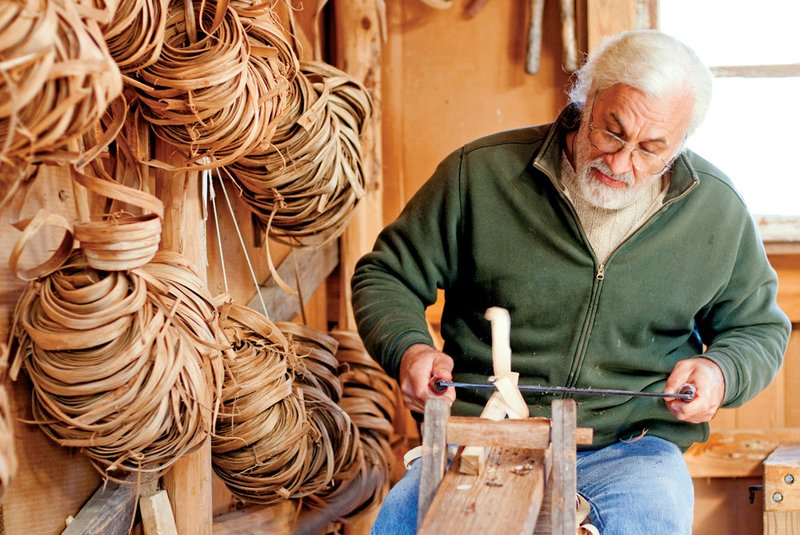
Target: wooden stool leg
564, 476
434, 447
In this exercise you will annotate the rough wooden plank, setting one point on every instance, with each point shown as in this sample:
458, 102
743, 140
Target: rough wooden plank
51, 482
737, 453
110, 511
257, 519
608, 17
505, 498
543, 522
157, 518
564, 475
434, 447
313, 265
532, 433
782, 479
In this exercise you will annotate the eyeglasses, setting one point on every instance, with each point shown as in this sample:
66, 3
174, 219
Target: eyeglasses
608, 143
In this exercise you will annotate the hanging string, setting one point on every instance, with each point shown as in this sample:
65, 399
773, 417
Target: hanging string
241, 242
299, 290
213, 195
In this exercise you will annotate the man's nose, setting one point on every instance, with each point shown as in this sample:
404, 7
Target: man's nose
620, 162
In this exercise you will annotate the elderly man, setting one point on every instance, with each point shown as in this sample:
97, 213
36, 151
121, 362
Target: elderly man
625, 261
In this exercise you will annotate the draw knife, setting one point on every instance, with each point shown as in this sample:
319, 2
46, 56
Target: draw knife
686, 393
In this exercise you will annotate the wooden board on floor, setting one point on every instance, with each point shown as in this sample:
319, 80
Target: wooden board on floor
505, 498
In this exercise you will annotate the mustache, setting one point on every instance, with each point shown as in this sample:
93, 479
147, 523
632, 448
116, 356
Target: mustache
603, 167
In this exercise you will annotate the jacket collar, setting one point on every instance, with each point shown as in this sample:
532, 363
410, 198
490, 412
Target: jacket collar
547, 158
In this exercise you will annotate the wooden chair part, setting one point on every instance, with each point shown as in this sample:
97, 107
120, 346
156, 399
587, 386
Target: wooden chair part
506, 497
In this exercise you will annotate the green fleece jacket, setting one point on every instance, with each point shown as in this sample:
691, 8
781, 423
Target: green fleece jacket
493, 227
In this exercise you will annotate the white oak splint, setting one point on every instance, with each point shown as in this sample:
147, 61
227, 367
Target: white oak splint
507, 400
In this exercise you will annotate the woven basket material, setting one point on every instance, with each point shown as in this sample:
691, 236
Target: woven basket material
304, 188
298, 423
126, 366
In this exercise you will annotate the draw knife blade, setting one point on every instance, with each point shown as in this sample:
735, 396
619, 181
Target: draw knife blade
686, 393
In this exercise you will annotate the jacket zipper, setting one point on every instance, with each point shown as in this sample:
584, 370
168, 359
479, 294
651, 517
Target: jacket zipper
597, 285
586, 328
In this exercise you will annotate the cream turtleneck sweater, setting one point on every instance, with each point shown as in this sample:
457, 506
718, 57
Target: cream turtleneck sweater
606, 229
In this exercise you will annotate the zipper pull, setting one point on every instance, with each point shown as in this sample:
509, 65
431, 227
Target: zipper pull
601, 272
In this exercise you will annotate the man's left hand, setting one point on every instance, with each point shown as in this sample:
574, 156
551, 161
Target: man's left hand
707, 379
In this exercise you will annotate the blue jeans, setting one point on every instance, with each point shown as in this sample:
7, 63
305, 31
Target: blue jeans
642, 487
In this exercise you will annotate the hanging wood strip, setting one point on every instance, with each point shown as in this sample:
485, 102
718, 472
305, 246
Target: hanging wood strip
298, 422
57, 78
126, 366
119, 241
287, 444
135, 34
305, 186
211, 94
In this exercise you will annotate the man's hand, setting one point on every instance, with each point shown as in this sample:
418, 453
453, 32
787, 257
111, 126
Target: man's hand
419, 363
707, 378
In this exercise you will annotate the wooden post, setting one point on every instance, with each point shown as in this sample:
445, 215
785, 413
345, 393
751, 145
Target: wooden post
188, 483
358, 38
434, 446
564, 476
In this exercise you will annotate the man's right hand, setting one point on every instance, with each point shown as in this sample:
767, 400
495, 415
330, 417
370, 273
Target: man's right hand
418, 365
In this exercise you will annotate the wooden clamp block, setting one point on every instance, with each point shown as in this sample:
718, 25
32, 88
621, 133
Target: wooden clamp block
782, 491
507, 496
157, 517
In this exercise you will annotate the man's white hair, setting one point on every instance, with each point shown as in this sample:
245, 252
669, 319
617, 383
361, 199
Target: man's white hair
650, 61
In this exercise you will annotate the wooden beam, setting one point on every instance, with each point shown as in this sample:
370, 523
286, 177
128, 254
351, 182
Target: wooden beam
110, 511
781, 523
533, 433
505, 498
473, 457
756, 71
782, 491
311, 265
782, 479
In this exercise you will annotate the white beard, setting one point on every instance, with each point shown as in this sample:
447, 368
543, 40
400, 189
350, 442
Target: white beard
599, 194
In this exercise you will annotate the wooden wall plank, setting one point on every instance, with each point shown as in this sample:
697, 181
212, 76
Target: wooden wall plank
607, 17
51, 482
